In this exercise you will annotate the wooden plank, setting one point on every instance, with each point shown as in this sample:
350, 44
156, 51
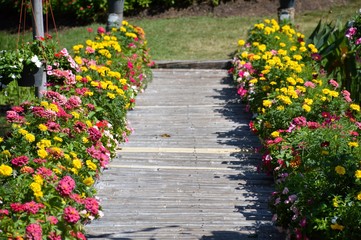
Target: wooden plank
189, 171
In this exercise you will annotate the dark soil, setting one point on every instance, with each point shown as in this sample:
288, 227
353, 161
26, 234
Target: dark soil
240, 8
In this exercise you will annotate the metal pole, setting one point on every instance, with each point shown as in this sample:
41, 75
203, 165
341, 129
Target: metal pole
38, 31
115, 14
286, 11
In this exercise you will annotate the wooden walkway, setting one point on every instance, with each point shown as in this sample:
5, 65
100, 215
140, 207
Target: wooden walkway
189, 169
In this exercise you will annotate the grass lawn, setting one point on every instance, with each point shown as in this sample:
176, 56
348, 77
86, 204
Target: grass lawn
192, 38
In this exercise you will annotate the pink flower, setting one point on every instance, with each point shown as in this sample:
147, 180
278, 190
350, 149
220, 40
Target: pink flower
101, 30
54, 236
71, 215
350, 32
300, 121
20, 161
310, 84
303, 222
90, 30
89, 50
95, 134
333, 83
358, 41
14, 117
73, 102
53, 220
242, 92
91, 205
65, 186
33, 207
4, 212
34, 232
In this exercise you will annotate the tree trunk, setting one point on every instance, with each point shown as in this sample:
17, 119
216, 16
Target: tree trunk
115, 14
286, 11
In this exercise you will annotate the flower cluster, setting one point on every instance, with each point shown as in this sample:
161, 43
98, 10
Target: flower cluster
309, 128
58, 145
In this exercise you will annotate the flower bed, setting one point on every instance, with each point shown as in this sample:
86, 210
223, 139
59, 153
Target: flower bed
58, 145
309, 128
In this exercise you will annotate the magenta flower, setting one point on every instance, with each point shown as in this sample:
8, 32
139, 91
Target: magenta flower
20, 161
34, 232
71, 215
66, 186
101, 30
91, 205
33, 207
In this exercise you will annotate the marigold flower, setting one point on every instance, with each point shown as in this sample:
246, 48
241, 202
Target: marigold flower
29, 137
337, 227
42, 127
89, 181
353, 144
267, 103
358, 174
340, 170
355, 107
5, 170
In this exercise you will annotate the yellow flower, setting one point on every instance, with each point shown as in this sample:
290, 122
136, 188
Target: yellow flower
337, 227
282, 44
36, 187
53, 107
262, 47
75, 115
43, 143
333, 94
1, 139
85, 140
308, 101
280, 108
359, 196
340, 170
275, 134
91, 165
22, 131
56, 171
6, 153
355, 107
306, 107
42, 127
297, 57
38, 179
358, 174
241, 42
5, 170
335, 202
88, 123
42, 153
353, 144
89, 181
267, 103
30, 137
77, 163
111, 95
58, 139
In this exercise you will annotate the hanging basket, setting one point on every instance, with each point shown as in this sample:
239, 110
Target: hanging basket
31, 78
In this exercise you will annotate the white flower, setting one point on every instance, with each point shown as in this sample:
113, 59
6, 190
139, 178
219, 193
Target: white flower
36, 60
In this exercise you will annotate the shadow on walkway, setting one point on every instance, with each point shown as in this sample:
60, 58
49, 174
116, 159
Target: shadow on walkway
252, 184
